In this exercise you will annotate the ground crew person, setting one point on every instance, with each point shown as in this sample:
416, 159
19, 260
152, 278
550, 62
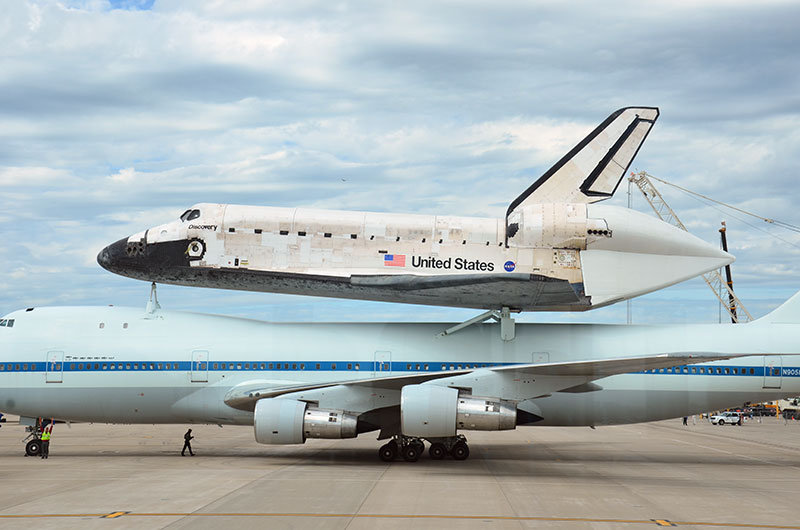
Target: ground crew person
47, 433
187, 438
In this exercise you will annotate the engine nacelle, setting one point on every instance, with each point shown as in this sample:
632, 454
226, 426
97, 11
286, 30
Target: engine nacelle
431, 411
288, 421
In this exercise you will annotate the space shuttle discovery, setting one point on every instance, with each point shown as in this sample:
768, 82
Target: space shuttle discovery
554, 250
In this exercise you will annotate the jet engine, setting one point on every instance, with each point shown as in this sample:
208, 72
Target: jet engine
431, 411
288, 421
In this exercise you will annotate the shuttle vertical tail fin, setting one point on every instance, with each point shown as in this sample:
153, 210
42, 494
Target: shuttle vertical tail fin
593, 169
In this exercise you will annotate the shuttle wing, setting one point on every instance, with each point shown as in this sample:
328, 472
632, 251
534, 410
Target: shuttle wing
245, 395
593, 169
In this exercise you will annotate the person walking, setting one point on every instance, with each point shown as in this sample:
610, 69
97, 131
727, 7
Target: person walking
47, 433
187, 438
686, 420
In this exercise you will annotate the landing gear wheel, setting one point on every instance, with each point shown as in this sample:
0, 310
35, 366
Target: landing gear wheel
437, 451
33, 448
460, 451
388, 452
412, 452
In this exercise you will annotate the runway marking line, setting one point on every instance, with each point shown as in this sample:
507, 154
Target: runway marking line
649, 522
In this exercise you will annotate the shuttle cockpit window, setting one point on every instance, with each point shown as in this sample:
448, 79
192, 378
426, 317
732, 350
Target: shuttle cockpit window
7, 323
190, 215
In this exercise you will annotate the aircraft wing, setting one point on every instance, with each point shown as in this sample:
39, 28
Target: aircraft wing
245, 395
593, 169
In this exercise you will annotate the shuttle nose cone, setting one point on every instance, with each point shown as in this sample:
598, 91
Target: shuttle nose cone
114, 257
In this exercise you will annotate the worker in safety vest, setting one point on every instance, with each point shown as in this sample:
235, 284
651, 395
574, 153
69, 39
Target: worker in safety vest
47, 433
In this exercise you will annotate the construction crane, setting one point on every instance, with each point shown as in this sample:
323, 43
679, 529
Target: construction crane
721, 288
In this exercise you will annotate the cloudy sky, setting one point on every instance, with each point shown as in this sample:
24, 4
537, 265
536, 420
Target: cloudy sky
116, 116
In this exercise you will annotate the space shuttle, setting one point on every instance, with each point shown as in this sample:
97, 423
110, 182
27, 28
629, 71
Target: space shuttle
555, 249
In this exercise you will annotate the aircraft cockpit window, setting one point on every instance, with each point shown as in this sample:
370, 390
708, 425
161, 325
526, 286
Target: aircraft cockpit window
7, 323
190, 215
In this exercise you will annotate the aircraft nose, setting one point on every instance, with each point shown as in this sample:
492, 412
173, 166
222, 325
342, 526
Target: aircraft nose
110, 257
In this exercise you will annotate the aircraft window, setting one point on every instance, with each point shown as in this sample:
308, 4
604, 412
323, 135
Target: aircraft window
216, 366
451, 367
444, 367
175, 366
102, 325
408, 367
302, 366
397, 238
775, 371
703, 370
113, 366
333, 366
727, 370
416, 367
159, 366
440, 241
426, 366
97, 366
16, 367
371, 238
459, 367
423, 239
301, 233
694, 370
487, 243
257, 230
463, 241
277, 366
284, 232
269, 366
353, 236
262, 366
327, 234
127, 366
285, 366
247, 366
124, 325
105, 366
2, 367
661, 370
3, 323
685, 370
185, 215
231, 230
80, 366
318, 366
25, 367
358, 366
194, 214
294, 367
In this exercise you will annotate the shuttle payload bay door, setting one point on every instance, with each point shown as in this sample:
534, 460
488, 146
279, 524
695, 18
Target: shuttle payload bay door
773, 367
55, 367
200, 366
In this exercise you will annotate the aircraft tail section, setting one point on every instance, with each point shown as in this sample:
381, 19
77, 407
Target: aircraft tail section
593, 169
786, 313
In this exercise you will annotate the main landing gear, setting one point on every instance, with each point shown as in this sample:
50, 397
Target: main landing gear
411, 448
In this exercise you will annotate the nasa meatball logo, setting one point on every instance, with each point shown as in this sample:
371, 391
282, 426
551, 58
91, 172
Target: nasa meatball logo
509, 266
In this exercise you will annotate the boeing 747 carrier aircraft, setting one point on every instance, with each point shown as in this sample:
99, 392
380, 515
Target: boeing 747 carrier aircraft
555, 250
292, 382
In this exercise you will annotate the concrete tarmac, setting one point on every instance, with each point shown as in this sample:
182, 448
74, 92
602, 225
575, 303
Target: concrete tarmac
637, 476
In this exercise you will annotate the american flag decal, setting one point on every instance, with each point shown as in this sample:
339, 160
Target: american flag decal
394, 260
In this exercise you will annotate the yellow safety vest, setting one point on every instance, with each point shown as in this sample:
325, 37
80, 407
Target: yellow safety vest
46, 436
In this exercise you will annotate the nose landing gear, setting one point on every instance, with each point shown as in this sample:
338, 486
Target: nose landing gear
411, 448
